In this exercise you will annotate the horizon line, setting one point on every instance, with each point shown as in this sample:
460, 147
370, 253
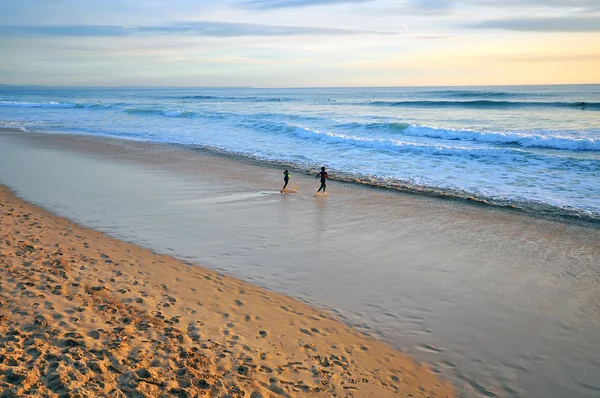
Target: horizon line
286, 87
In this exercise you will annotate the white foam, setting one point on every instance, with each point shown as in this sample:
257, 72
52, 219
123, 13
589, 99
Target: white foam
51, 104
178, 113
400, 146
533, 139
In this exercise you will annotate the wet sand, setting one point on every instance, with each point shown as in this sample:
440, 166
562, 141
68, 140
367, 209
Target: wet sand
87, 315
500, 303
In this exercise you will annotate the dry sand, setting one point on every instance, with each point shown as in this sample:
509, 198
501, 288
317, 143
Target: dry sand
82, 314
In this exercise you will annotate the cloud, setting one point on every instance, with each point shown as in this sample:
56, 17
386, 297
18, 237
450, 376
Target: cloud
269, 4
431, 37
534, 57
586, 4
458, 7
66, 30
429, 6
405, 6
199, 28
556, 58
557, 24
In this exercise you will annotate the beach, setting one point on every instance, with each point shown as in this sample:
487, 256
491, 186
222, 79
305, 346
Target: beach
83, 314
492, 300
288, 198
529, 147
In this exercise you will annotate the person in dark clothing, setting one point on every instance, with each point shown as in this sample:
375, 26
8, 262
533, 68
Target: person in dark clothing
323, 175
286, 179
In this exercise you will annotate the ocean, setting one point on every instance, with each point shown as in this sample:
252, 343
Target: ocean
500, 302
535, 148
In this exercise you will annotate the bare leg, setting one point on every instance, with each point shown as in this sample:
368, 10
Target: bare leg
321, 187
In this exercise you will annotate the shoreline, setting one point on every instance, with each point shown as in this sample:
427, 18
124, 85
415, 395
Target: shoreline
84, 313
434, 279
532, 209
87, 144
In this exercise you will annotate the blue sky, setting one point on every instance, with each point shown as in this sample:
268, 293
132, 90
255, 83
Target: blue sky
295, 43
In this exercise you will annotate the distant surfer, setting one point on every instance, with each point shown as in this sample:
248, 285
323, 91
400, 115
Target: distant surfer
286, 179
323, 175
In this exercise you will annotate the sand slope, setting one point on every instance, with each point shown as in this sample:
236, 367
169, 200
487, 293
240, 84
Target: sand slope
82, 314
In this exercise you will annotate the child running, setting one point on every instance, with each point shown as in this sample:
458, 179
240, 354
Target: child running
323, 175
286, 179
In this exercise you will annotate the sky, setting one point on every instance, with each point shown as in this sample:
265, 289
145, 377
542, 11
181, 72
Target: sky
299, 43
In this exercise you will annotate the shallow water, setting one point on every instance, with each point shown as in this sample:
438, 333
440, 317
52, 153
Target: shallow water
534, 147
500, 303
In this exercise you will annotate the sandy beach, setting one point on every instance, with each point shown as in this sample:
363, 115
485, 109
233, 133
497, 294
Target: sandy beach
83, 314
494, 301
148, 248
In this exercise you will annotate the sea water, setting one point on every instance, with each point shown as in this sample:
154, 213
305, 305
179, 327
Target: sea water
530, 147
501, 303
